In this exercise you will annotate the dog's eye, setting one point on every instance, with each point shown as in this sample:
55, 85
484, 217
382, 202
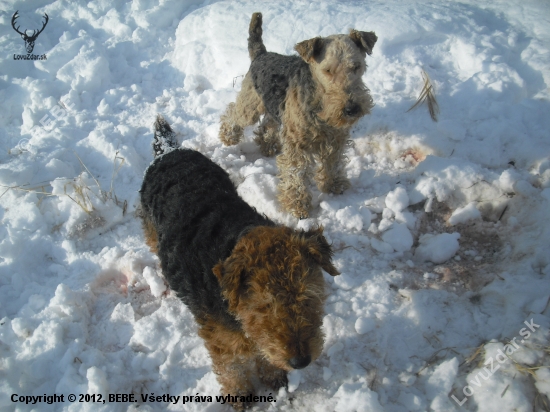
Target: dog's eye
356, 68
327, 71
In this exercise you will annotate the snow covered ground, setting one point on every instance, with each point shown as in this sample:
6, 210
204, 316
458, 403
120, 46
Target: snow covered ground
443, 240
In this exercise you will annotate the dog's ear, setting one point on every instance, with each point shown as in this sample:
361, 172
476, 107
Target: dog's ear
365, 40
230, 275
320, 250
310, 49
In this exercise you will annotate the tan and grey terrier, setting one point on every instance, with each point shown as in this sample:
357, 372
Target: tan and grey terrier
309, 103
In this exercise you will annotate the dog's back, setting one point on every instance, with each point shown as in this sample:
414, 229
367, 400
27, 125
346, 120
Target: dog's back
197, 216
272, 74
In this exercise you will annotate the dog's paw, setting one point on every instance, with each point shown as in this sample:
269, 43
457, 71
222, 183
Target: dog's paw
268, 141
276, 379
299, 211
230, 135
268, 148
337, 186
240, 400
295, 199
241, 406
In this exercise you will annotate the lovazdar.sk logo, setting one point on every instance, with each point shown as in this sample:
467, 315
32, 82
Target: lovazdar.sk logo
29, 39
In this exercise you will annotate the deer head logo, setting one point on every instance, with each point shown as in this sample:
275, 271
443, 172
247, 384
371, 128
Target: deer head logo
29, 40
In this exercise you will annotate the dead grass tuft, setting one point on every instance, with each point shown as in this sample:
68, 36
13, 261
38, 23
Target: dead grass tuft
81, 192
427, 95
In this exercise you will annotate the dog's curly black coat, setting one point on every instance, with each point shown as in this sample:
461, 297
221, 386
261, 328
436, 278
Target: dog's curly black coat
198, 223
272, 75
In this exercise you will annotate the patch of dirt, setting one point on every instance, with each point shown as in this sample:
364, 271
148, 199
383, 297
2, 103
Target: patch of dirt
474, 266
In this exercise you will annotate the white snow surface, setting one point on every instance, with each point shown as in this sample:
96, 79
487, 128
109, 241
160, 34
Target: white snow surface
437, 248
464, 214
83, 307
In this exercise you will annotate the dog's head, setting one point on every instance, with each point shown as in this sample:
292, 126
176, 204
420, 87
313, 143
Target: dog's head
337, 64
274, 286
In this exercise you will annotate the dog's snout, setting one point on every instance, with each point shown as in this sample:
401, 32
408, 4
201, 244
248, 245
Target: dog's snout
352, 109
300, 362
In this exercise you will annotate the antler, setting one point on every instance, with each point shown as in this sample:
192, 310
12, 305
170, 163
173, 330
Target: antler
15, 16
34, 32
43, 26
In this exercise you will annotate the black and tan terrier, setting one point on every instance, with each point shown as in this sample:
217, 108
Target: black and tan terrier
255, 288
309, 103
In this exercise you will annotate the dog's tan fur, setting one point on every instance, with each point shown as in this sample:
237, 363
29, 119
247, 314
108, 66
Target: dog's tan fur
274, 286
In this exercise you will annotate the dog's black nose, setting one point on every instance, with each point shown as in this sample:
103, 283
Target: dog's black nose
351, 109
300, 362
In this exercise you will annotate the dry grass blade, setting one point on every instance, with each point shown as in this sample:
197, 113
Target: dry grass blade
427, 95
504, 391
526, 369
479, 350
433, 359
124, 205
115, 171
80, 193
540, 399
93, 177
25, 189
5, 191
81, 198
39, 190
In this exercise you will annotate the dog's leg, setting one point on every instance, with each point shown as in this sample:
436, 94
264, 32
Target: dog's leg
244, 112
296, 160
151, 236
270, 375
294, 169
267, 136
233, 359
330, 175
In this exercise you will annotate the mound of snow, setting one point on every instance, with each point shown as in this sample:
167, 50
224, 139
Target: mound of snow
364, 325
397, 200
437, 248
155, 282
356, 397
399, 237
464, 214
350, 219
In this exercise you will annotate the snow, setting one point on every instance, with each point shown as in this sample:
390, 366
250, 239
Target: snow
294, 378
437, 248
397, 200
355, 397
464, 214
398, 237
364, 325
441, 241
156, 283
440, 383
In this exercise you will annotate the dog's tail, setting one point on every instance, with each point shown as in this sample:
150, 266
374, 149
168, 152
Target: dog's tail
165, 138
255, 42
